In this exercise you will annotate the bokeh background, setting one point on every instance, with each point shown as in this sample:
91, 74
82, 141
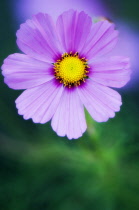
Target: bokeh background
100, 171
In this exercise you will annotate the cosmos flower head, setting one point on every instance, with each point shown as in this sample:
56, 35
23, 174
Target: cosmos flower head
64, 70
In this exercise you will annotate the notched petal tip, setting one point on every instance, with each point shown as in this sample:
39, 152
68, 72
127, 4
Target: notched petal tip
100, 101
112, 72
37, 37
69, 119
70, 33
101, 40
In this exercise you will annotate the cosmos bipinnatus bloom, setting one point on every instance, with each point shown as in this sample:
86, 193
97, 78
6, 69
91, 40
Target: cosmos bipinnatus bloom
64, 69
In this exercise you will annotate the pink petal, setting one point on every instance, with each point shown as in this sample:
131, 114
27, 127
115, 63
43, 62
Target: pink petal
100, 101
37, 38
73, 29
22, 71
113, 72
69, 118
101, 40
40, 103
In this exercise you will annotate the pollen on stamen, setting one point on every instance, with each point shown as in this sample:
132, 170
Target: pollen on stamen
71, 70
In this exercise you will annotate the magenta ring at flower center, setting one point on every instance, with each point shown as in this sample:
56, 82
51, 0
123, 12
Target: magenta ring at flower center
71, 70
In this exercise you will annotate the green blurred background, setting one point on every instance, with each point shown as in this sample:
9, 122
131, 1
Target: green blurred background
39, 170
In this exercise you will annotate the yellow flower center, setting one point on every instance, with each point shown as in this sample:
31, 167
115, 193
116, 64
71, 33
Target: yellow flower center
71, 70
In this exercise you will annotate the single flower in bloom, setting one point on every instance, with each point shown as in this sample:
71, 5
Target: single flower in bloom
64, 70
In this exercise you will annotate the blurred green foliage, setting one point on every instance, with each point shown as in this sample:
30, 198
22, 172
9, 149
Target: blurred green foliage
39, 170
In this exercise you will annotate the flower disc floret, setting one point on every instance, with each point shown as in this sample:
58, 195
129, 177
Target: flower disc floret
71, 70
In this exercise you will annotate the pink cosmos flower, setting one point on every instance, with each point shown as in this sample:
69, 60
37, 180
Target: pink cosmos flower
64, 70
